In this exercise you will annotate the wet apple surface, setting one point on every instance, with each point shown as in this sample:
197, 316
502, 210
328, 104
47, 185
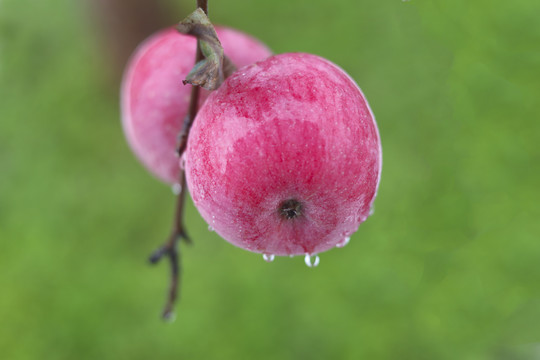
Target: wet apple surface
285, 157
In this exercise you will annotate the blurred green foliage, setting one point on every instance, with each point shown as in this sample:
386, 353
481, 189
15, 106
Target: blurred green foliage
447, 268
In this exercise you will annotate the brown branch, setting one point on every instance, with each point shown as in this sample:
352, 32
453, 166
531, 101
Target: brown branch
171, 248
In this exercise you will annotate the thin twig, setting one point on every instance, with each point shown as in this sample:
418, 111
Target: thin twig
171, 248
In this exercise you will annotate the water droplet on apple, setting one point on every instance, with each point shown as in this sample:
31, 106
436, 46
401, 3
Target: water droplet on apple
312, 260
176, 188
210, 228
268, 257
362, 218
343, 242
372, 210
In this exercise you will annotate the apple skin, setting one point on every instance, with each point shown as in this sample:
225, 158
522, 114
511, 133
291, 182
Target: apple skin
154, 101
291, 127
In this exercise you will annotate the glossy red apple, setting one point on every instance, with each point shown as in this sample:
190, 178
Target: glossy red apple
154, 100
285, 157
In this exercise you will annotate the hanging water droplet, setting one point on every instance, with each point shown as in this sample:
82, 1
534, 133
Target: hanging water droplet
183, 162
176, 188
372, 210
312, 260
343, 242
210, 228
170, 317
362, 218
268, 257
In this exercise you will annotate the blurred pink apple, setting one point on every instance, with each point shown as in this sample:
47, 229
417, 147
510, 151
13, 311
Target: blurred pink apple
154, 100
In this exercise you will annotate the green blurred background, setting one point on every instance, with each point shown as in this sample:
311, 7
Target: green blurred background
447, 268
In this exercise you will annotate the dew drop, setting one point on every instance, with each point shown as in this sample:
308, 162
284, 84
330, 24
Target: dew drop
183, 162
268, 257
372, 211
210, 228
170, 317
312, 260
343, 242
176, 188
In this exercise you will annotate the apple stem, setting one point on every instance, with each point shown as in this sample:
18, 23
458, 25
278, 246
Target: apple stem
171, 248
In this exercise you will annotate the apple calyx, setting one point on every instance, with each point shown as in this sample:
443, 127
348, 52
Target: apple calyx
290, 209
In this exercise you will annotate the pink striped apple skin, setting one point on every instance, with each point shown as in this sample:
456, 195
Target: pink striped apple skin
155, 102
285, 157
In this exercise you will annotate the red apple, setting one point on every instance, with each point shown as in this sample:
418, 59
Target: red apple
285, 157
154, 100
